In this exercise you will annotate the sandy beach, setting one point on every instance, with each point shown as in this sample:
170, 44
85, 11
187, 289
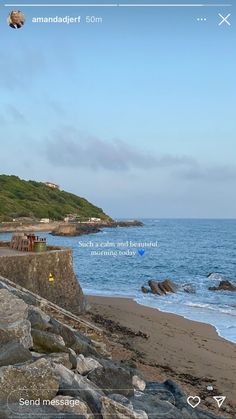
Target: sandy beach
164, 345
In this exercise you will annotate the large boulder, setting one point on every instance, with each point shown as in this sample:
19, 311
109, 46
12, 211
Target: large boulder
75, 385
38, 319
14, 353
62, 358
73, 339
167, 286
122, 400
138, 383
71, 405
47, 342
86, 365
29, 381
112, 378
145, 290
14, 325
113, 409
162, 287
155, 287
27, 297
224, 286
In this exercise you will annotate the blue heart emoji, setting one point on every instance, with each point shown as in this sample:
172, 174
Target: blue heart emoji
141, 252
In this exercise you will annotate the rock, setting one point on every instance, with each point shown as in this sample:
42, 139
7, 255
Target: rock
111, 408
74, 385
60, 358
122, 400
86, 365
172, 387
168, 286
47, 342
26, 297
162, 287
14, 353
145, 290
67, 404
73, 339
155, 287
159, 397
138, 383
14, 325
75, 230
112, 378
72, 358
29, 380
38, 319
224, 286
155, 407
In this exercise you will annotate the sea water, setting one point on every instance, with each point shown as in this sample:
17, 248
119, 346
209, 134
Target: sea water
186, 252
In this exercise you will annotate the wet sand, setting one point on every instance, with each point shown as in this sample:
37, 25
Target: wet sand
186, 351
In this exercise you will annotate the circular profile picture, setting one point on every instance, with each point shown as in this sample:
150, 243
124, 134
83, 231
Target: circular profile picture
16, 19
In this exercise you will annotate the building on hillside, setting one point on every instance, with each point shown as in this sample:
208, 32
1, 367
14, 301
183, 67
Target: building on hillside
52, 185
70, 218
94, 220
45, 220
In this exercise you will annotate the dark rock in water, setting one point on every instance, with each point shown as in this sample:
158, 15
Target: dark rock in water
224, 286
14, 353
155, 287
131, 223
168, 286
145, 290
163, 287
75, 230
112, 378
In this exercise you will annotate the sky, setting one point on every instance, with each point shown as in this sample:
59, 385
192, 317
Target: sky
136, 114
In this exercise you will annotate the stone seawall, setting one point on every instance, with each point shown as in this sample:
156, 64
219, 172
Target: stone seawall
32, 271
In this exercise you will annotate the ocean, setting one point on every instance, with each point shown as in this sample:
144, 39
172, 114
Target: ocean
118, 261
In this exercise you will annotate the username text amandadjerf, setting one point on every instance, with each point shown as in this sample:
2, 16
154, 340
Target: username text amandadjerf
57, 19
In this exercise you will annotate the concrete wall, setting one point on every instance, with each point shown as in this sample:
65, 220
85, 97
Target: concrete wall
32, 272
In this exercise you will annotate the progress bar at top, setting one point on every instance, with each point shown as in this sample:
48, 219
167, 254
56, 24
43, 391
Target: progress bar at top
118, 5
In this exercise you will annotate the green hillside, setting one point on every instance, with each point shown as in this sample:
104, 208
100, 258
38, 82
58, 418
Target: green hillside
20, 198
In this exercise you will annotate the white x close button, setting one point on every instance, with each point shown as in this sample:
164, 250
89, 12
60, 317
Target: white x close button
224, 19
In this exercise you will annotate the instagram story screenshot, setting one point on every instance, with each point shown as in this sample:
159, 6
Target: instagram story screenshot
118, 209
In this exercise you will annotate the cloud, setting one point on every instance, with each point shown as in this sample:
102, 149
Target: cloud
208, 174
70, 148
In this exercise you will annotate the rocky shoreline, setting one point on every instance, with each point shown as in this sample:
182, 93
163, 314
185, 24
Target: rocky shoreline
79, 229
59, 228
56, 364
